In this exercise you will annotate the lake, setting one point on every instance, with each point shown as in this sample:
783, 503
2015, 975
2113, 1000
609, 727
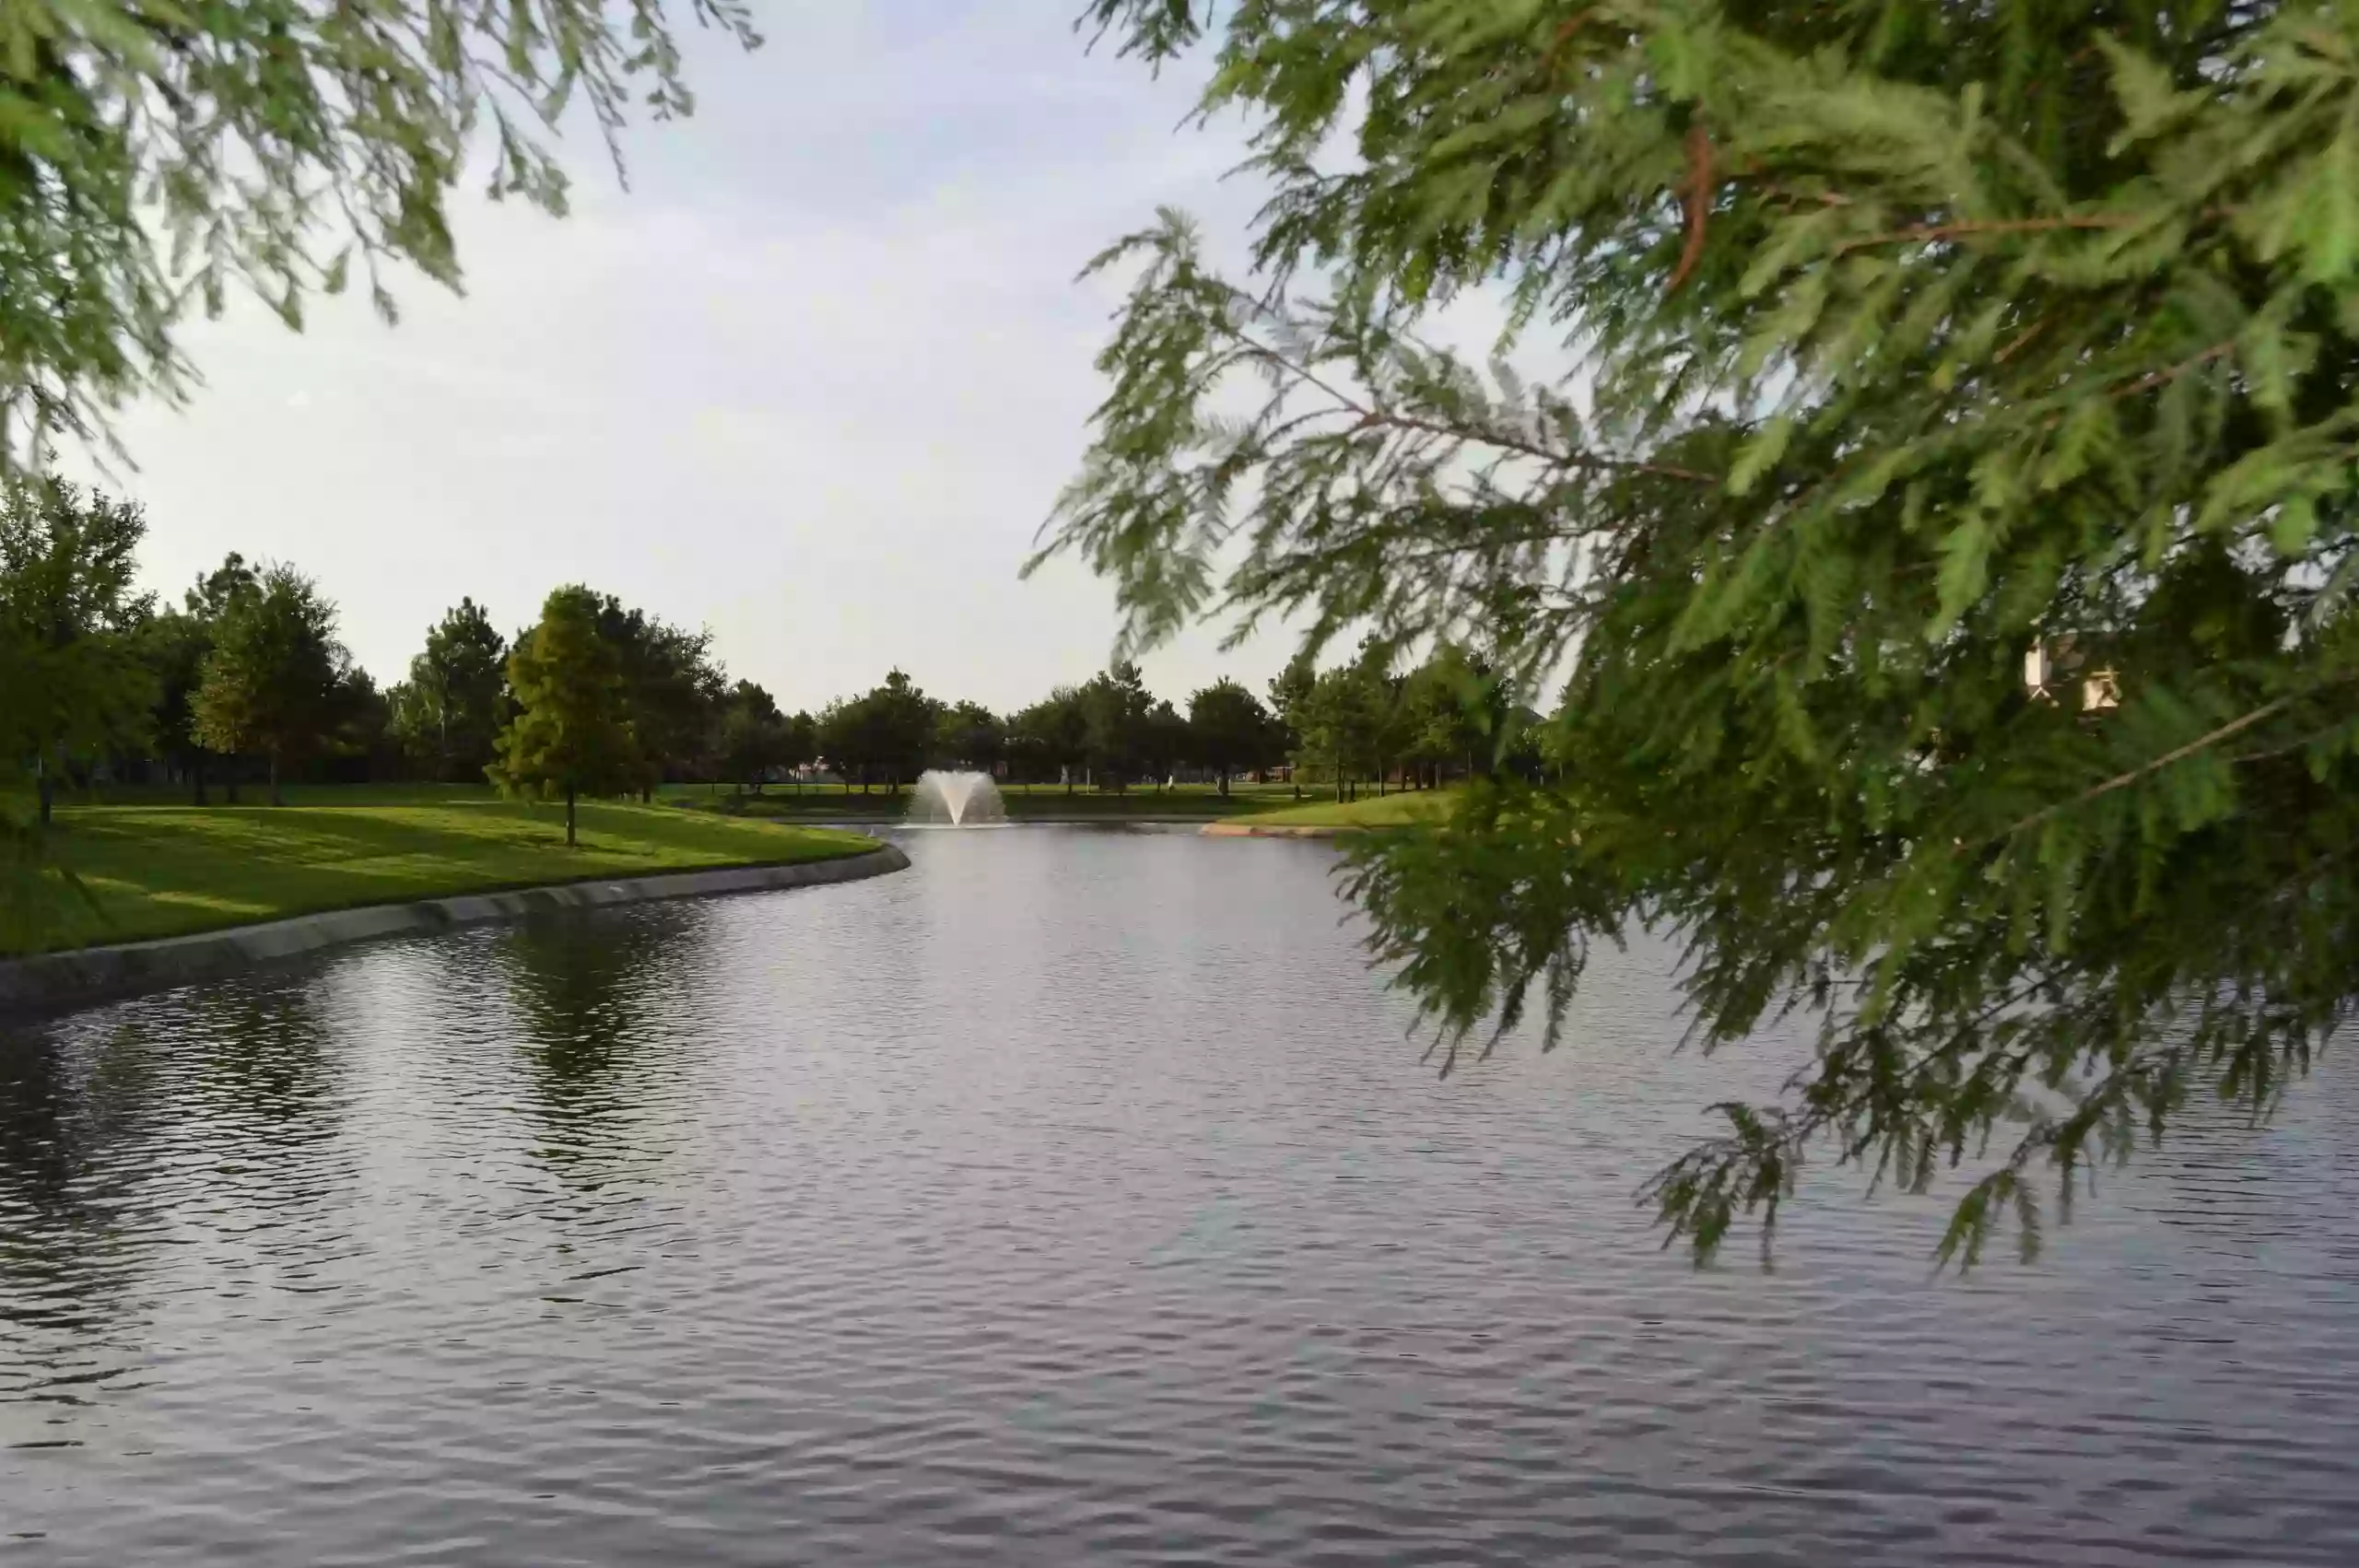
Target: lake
1075, 1197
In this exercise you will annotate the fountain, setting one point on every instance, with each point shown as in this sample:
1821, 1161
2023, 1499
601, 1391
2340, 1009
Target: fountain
954, 799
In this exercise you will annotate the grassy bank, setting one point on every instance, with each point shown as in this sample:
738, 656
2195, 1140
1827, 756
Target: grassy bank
167, 870
1368, 812
296, 795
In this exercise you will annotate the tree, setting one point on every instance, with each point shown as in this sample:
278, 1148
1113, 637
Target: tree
1115, 704
75, 680
1290, 691
1054, 733
753, 735
1339, 722
174, 645
1385, 735
901, 720
1454, 713
1163, 742
450, 711
971, 735
1229, 730
274, 678
157, 156
361, 742
571, 734
210, 597
846, 732
673, 688
798, 741
1923, 348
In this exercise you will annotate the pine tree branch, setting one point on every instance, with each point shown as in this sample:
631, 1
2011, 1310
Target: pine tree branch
2155, 765
1373, 414
1697, 195
2172, 373
1929, 233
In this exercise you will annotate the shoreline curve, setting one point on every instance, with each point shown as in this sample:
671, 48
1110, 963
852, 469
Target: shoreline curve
1273, 830
53, 982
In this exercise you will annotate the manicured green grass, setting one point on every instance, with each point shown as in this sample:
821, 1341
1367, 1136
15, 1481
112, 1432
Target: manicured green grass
297, 794
1369, 810
165, 870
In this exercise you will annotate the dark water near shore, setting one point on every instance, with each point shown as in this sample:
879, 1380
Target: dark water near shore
1074, 1198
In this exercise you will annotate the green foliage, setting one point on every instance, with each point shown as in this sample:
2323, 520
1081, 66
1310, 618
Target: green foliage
276, 680
571, 734
970, 735
754, 737
174, 644
1231, 731
672, 689
1050, 739
447, 715
155, 155
1164, 741
1117, 711
1910, 337
887, 734
71, 678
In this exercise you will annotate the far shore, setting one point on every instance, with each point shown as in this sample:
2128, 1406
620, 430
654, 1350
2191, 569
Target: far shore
1329, 819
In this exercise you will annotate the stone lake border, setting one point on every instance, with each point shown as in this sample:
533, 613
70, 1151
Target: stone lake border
1273, 830
52, 982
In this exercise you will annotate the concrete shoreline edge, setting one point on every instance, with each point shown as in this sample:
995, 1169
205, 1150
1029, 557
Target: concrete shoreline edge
55, 982
1271, 830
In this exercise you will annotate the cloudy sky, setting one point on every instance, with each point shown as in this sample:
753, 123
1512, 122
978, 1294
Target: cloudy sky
812, 382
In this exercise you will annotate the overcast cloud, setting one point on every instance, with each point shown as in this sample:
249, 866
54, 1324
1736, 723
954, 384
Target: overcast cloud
813, 381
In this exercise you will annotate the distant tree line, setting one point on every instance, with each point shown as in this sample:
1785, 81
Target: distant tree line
245, 683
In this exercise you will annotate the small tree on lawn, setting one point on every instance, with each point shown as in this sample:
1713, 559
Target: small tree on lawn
970, 735
571, 733
753, 736
1054, 733
66, 605
1229, 730
277, 677
798, 743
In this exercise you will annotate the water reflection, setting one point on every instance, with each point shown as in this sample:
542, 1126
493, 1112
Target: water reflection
591, 994
68, 1257
264, 1065
1075, 1198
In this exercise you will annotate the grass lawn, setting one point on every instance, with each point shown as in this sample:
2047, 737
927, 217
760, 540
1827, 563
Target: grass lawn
1369, 810
297, 794
165, 870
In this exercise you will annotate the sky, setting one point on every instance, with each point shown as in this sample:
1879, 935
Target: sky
812, 382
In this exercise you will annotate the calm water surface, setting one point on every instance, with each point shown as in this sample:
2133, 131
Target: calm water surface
1074, 1198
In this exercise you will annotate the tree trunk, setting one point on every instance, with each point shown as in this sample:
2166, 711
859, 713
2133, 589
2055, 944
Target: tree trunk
568, 816
1224, 784
196, 776
46, 783
276, 799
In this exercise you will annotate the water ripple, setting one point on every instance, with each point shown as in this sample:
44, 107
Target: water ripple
1075, 1198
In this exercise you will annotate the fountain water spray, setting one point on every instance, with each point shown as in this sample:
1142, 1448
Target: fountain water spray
956, 800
